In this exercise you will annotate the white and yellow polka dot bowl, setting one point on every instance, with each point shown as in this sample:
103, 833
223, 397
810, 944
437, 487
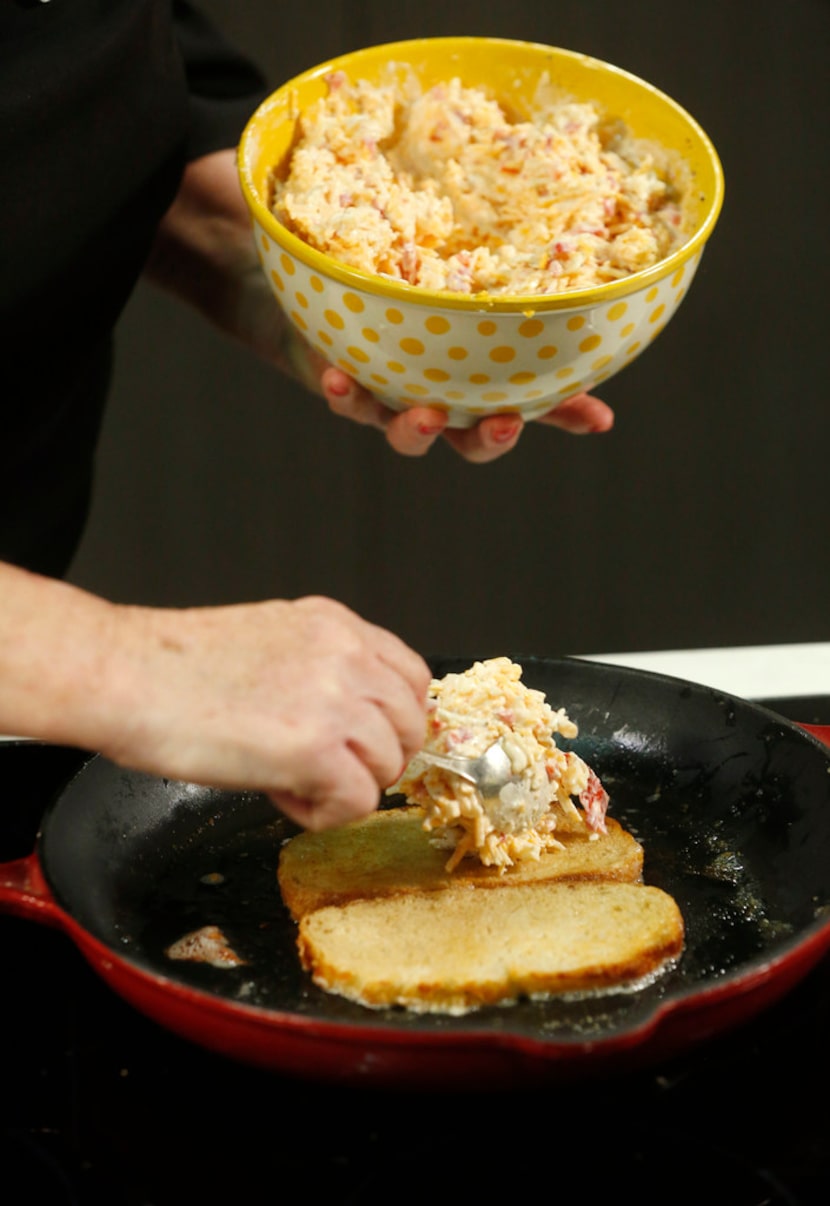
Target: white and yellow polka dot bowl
476, 355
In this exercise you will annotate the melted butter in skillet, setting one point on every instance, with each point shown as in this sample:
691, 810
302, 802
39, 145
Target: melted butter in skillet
206, 945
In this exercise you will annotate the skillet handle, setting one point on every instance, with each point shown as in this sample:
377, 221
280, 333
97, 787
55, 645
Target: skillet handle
25, 893
822, 731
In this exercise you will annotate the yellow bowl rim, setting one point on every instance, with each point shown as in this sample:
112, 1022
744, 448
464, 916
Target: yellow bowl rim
402, 293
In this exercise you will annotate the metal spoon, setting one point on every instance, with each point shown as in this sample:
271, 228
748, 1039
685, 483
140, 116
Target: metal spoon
488, 772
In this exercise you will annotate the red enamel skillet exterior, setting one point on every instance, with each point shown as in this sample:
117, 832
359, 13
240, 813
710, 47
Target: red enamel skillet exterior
732, 804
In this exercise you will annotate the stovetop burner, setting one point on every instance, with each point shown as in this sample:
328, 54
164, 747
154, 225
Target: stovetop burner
102, 1107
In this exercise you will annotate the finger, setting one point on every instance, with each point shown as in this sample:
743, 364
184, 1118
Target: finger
344, 792
398, 713
488, 440
414, 431
583, 414
328, 813
296, 809
351, 401
365, 651
405, 663
409, 433
376, 742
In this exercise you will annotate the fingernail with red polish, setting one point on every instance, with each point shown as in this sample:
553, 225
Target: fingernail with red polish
430, 429
504, 432
340, 389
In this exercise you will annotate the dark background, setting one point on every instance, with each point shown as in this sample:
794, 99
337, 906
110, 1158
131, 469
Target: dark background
700, 520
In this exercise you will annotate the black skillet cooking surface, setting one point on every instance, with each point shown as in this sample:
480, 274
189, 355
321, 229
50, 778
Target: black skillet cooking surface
730, 801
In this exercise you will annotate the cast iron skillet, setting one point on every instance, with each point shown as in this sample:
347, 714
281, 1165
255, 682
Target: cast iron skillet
731, 803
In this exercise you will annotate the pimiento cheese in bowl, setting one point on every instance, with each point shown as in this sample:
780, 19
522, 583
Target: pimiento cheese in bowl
477, 224
442, 190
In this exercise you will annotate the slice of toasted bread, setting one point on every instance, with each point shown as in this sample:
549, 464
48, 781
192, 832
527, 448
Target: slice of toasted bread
389, 852
455, 950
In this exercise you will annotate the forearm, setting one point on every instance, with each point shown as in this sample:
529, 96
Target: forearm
204, 240
56, 645
204, 255
302, 699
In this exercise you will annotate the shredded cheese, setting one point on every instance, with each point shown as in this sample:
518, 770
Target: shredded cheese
442, 190
467, 713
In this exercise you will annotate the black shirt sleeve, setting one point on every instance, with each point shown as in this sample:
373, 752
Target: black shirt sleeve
101, 104
224, 86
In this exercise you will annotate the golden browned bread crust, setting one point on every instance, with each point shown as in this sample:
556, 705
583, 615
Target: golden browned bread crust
389, 853
455, 950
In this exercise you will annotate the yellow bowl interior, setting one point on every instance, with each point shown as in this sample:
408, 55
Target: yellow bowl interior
511, 71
